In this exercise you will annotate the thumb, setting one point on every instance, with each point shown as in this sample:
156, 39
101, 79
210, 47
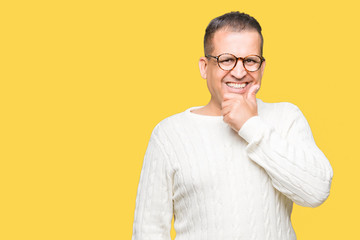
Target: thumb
252, 93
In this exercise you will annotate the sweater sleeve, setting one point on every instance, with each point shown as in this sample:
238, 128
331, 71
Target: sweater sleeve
154, 206
296, 166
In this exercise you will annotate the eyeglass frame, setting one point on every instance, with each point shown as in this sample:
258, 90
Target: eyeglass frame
262, 59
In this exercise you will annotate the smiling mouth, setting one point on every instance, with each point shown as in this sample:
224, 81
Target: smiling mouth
236, 85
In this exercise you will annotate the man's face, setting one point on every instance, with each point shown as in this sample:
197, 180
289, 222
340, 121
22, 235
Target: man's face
240, 44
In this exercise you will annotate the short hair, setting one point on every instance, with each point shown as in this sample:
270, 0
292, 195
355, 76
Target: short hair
234, 21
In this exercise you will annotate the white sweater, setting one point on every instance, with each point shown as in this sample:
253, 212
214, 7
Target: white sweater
223, 185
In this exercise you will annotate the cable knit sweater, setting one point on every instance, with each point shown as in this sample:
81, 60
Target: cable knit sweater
224, 185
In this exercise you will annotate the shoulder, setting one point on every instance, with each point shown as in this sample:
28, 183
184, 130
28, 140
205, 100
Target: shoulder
170, 121
168, 126
168, 131
277, 108
281, 115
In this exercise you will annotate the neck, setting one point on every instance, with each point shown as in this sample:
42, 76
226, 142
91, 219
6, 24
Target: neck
211, 109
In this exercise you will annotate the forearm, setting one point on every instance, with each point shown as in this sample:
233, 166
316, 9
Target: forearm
296, 166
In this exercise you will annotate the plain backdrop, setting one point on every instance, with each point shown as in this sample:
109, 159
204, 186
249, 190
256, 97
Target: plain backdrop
83, 84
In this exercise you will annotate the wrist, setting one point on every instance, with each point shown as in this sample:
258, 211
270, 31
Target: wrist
251, 128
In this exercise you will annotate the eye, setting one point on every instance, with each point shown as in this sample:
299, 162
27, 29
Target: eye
253, 60
226, 60
249, 60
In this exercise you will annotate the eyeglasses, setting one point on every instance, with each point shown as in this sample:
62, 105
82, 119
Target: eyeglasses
228, 61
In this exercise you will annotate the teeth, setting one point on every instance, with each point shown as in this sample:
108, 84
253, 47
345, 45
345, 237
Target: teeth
236, 85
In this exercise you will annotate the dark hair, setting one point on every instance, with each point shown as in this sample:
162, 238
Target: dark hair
234, 21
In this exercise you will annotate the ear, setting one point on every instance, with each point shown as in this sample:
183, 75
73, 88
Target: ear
203, 64
263, 68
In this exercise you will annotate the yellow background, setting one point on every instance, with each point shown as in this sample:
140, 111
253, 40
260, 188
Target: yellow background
83, 83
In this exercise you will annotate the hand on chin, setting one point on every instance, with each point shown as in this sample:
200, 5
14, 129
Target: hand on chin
239, 106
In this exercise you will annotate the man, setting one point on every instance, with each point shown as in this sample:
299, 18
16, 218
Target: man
233, 168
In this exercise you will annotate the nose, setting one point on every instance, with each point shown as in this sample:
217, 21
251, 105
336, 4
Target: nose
239, 70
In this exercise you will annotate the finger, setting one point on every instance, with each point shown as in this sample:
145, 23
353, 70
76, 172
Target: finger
225, 119
228, 102
227, 96
233, 103
226, 110
252, 92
